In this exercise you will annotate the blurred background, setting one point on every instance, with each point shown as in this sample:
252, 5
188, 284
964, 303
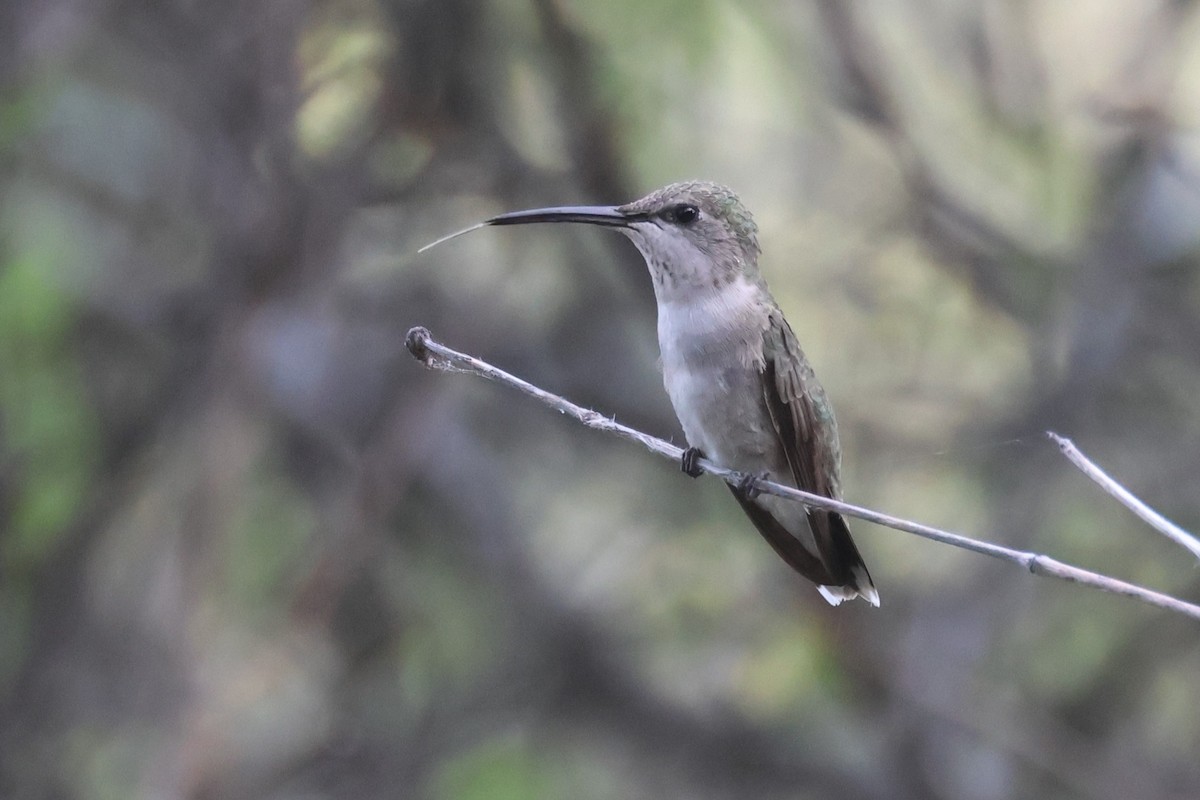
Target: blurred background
249, 548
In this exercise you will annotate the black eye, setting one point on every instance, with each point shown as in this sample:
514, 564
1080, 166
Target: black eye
684, 213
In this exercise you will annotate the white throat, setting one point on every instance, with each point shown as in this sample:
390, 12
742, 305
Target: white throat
697, 323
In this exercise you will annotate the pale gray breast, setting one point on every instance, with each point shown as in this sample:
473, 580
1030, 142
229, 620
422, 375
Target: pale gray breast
711, 346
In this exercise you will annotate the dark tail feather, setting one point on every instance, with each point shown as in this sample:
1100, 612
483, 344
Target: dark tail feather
789, 548
850, 576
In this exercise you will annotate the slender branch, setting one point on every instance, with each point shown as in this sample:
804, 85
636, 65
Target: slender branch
1126, 497
437, 356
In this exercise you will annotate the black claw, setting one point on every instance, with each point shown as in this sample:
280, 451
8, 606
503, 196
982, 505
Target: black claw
748, 484
689, 462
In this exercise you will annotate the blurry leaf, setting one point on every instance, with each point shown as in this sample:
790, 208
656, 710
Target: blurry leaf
342, 54
454, 630
400, 156
1073, 650
266, 540
532, 125
17, 117
14, 629
787, 670
43, 413
503, 768
103, 763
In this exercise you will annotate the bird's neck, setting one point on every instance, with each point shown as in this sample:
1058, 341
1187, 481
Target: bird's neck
703, 321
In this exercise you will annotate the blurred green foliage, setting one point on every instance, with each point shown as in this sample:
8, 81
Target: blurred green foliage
249, 548
47, 423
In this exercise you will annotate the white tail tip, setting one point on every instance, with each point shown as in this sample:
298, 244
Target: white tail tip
835, 595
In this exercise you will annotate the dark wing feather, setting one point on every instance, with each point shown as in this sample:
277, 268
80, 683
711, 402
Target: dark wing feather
800, 411
804, 421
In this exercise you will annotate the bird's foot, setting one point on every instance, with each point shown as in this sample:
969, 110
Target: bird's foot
689, 462
747, 485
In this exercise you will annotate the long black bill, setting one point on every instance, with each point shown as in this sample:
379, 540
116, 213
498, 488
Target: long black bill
592, 215
609, 216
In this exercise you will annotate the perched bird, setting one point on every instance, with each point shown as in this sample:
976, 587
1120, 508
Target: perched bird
741, 386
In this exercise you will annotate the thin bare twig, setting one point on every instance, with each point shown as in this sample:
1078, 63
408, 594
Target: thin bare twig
1126, 497
435, 355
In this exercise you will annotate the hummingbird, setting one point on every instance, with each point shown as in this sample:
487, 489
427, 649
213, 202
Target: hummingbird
742, 389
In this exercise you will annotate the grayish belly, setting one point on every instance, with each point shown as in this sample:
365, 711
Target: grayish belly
722, 412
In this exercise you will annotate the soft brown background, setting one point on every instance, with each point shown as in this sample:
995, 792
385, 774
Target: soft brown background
250, 549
